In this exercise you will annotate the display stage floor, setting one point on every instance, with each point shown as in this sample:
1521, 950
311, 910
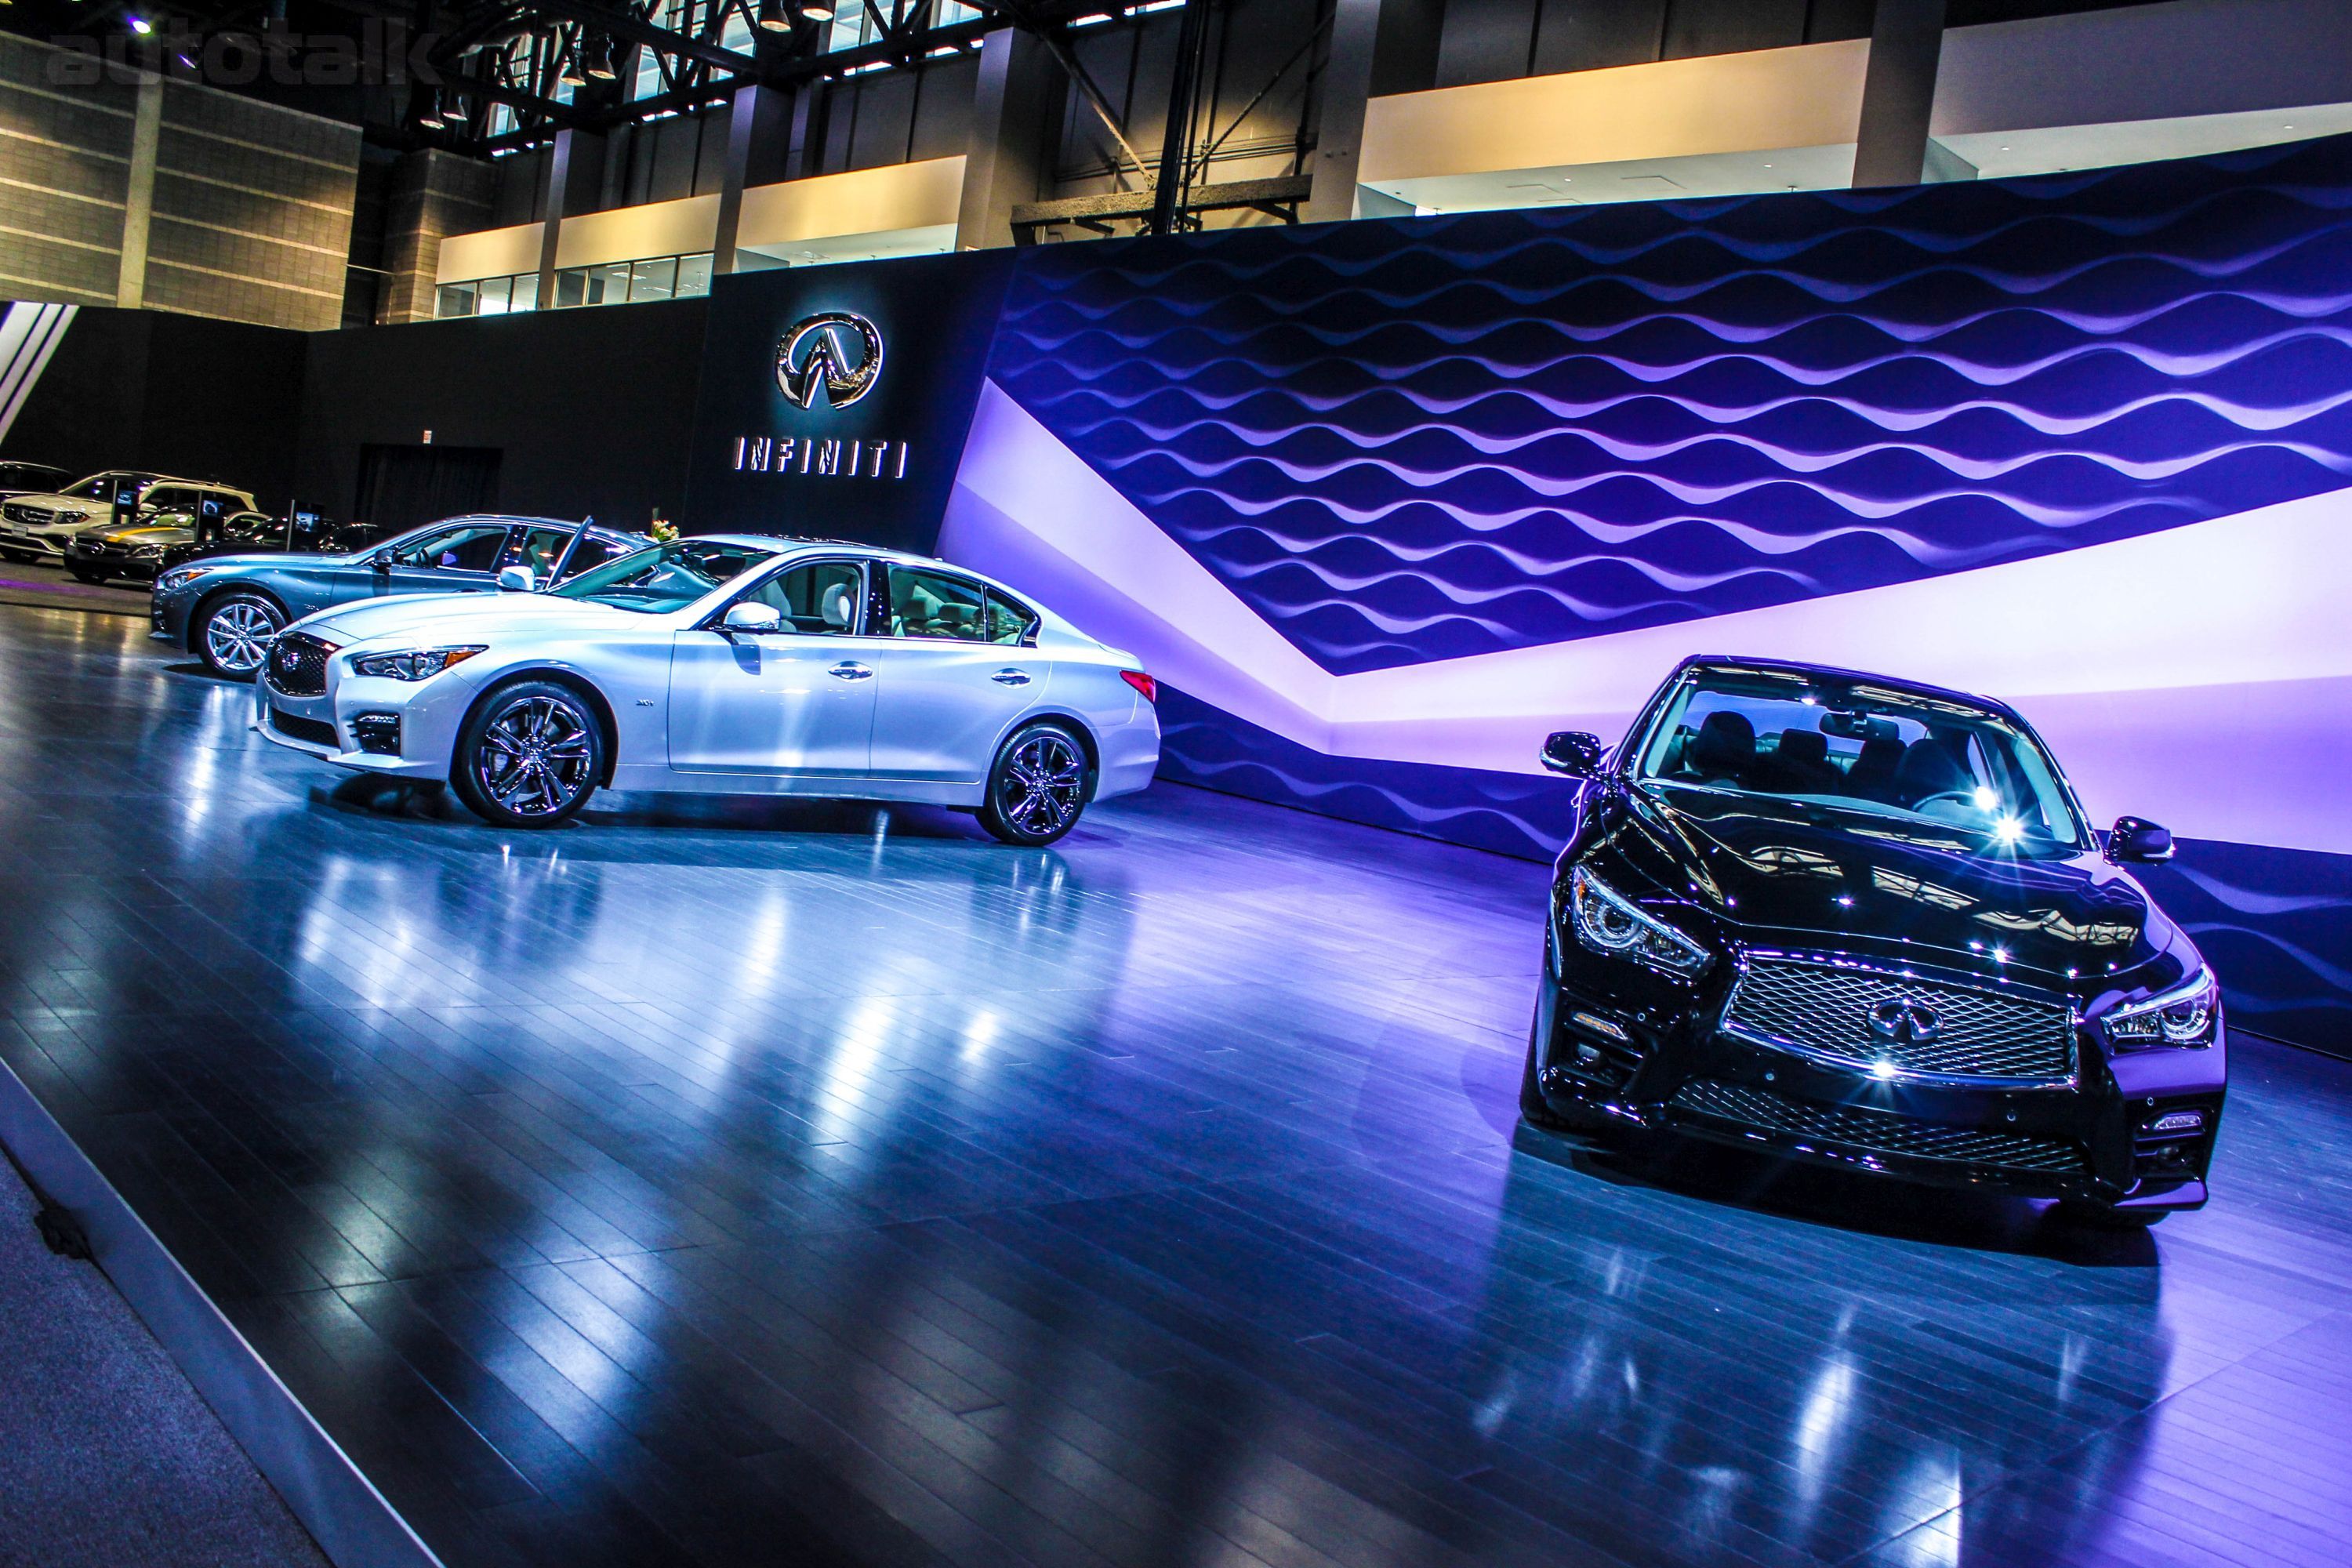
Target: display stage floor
768, 1184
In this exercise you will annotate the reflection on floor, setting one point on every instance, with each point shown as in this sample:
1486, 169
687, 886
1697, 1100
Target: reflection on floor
754, 1184
43, 585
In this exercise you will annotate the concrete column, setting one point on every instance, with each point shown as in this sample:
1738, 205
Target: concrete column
138, 199
575, 172
1378, 46
1907, 45
1010, 140
755, 125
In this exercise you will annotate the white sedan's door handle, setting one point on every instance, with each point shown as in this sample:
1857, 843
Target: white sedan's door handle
850, 670
1011, 677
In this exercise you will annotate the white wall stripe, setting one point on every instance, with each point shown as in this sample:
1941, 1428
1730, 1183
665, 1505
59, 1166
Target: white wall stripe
30, 334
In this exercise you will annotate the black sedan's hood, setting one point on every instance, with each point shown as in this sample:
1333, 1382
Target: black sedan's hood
1849, 878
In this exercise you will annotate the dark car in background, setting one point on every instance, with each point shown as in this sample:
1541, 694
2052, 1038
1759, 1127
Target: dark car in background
29, 479
302, 533
1863, 922
139, 550
225, 609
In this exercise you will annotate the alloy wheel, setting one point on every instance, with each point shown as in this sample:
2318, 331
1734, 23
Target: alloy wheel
536, 756
1044, 785
238, 635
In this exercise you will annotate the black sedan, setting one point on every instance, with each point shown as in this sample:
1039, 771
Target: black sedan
1863, 922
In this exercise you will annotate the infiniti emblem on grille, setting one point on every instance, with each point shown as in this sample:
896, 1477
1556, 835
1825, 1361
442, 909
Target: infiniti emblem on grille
1904, 1022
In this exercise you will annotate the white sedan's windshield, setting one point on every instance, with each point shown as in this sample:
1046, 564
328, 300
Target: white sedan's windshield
1857, 747
666, 576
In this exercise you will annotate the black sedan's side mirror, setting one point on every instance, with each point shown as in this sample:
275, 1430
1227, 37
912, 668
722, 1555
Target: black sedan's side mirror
2137, 841
1573, 752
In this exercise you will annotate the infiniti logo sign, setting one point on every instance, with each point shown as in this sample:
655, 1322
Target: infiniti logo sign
1904, 1022
834, 352
837, 356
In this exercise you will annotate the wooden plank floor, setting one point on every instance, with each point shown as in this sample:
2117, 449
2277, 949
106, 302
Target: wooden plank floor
756, 1184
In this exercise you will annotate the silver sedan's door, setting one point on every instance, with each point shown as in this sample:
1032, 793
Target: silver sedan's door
947, 695
795, 702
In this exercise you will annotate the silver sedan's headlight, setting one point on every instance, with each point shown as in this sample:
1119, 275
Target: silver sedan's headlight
179, 578
1606, 921
415, 664
2182, 1015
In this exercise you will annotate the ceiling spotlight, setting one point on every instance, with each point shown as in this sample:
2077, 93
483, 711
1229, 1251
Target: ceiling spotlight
596, 57
771, 16
571, 75
816, 11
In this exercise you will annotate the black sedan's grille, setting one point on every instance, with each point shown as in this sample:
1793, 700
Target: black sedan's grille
316, 731
297, 664
1876, 1131
1867, 1017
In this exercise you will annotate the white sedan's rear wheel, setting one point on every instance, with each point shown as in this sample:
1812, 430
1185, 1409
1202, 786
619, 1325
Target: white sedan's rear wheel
1041, 783
531, 756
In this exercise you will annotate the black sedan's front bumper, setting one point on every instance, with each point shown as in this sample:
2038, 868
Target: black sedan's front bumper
1646, 1051
112, 564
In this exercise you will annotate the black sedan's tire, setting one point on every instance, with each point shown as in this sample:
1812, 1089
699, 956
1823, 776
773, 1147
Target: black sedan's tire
1041, 783
531, 756
84, 574
233, 633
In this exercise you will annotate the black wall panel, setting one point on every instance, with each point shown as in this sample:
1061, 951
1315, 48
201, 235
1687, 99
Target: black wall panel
589, 409
181, 395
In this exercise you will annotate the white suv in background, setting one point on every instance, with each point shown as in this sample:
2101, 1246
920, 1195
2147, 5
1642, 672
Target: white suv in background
35, 527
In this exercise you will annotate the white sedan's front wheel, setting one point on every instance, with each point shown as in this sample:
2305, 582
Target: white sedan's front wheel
531, 756
1041, 783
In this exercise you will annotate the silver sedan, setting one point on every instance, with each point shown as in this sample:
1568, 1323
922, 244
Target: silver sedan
735, 664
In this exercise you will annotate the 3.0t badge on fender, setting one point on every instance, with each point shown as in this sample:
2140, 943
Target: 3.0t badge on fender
816, 355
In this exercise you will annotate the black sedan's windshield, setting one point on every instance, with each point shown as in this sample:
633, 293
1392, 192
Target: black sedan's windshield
665, 577
1858, 747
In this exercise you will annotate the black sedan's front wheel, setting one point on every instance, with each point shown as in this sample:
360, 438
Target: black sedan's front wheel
531, 756
1041, 783
233, 633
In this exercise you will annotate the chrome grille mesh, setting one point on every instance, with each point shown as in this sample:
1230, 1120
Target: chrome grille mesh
1877, 1131
1826, 1010
297, 664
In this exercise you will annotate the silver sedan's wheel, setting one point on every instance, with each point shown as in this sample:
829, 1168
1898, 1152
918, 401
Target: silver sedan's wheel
531, 756
1041, 783
234, 634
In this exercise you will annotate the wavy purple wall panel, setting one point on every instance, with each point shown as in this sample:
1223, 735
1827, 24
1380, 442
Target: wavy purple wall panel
1400, 442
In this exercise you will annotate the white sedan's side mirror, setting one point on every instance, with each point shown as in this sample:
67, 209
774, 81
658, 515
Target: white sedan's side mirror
516, 579
750, 615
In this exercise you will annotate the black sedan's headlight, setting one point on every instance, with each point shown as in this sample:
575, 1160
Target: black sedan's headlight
413, 664
2181, 1016
1606, 921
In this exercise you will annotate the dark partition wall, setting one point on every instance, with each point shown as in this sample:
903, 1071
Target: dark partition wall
588, 409
180, 395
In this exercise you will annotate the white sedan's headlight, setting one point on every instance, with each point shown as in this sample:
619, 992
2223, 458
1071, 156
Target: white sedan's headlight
415, 664
1606, 921
2182, 1015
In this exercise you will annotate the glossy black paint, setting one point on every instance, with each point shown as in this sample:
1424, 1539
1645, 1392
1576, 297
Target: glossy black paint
1750, 875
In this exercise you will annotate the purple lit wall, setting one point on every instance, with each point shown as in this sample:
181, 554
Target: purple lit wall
1384, 502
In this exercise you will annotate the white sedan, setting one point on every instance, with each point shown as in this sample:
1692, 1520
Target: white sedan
724, 663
